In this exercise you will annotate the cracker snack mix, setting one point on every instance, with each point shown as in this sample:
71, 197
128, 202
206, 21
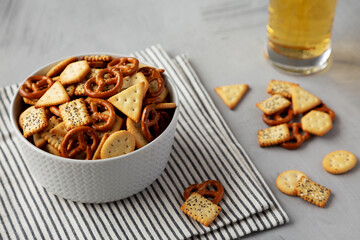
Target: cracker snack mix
78, 108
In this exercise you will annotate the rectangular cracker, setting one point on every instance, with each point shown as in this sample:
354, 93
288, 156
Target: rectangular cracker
53, 139
274, 104
55, 95
201, 209
273, 135
282, 88
303, 100
312, 192
75, 114
33, 120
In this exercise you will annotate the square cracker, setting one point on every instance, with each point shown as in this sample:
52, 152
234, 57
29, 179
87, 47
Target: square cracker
273, 135
201, 209
130, 101
232, 94
33, 120
274, 104
55, 95
282, 88
74, 72
302, 100
75, 114
312, 192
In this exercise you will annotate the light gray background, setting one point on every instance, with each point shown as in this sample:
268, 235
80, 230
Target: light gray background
224, 41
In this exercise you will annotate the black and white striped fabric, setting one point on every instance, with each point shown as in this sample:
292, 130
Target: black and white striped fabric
204, 148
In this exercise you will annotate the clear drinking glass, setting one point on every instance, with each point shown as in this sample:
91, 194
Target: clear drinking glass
299, 34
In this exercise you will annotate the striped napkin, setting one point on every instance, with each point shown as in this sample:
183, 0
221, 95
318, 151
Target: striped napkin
204, 148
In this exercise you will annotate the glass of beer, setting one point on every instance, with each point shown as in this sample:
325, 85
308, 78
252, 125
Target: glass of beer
299, 34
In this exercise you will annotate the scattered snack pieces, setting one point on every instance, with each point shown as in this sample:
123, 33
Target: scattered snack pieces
72, 110
286, 181
302, 100
274, 104
339, 162
312, 192
282, 88
274, 135
232, 94
316, 122
200, 208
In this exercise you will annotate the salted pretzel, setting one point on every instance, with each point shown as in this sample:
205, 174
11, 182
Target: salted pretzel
152, 74
149, 118
203, 191
100, 91
109, 119
323, 108
296, 136
35, 86
127, 65
81, 139
278, 118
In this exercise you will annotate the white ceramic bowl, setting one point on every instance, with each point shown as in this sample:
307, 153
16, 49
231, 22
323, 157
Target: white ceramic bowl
103, 180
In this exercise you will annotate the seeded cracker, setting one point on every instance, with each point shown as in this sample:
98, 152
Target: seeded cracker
316, 122
274, 104
286, 181
33, 120
302, 100
58, 68
130, 101
70, 89
232, 94
55, 95
118, 143
74, 72
339, 162
282, 88
53, 139
273, 135
312, 192
135, 129
201, 209
75, 114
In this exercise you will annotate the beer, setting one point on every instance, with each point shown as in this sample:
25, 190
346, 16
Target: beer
300, 29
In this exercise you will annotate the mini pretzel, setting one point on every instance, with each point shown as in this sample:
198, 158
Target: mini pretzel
101, 117
149, 118
35, 86
277, 118
152, 74
115, 78
78, 140
127, 65
202, 190
54, 110
323, 108
295, 135
151, 100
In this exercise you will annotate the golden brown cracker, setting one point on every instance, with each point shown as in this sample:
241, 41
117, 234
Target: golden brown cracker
312, 192
273, 135
232, 94
135, 79
74, 72
286, 181
170, 105
303, 100
282, 88
316, 122
59, 129
58, 68
75, 114
38, 140
135, 129
116, 127
98, 150
55, 95
274, 104
97, 58
50, 149
30, 101
117, 144
53, 139
339, 162
33, 120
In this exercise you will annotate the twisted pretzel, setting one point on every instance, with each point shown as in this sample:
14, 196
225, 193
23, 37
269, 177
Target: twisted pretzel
35, 86
295, 135
127, 65
152, 74
97, 116
323, 108
278, 118
149, 118
115, 78
203, 191
78, 140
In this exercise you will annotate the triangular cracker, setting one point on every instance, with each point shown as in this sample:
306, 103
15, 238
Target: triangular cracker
232, 94
129, 101
55, 95
135, 79
302, 100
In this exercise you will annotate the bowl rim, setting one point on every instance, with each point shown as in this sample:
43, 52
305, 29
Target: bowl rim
97, 161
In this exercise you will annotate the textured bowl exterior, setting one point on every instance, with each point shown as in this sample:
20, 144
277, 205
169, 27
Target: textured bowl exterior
96, 181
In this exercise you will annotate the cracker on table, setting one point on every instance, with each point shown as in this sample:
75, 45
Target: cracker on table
286, 181
282, 88
316, 122
273, 135
55, 95
118, 143
303, 100
98, 150
274, 104
33, 120
53, 139
135, 129
129, 101
75, 114
232, 94
200, 209
74, 72
58, 68
339, 162
312, 192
